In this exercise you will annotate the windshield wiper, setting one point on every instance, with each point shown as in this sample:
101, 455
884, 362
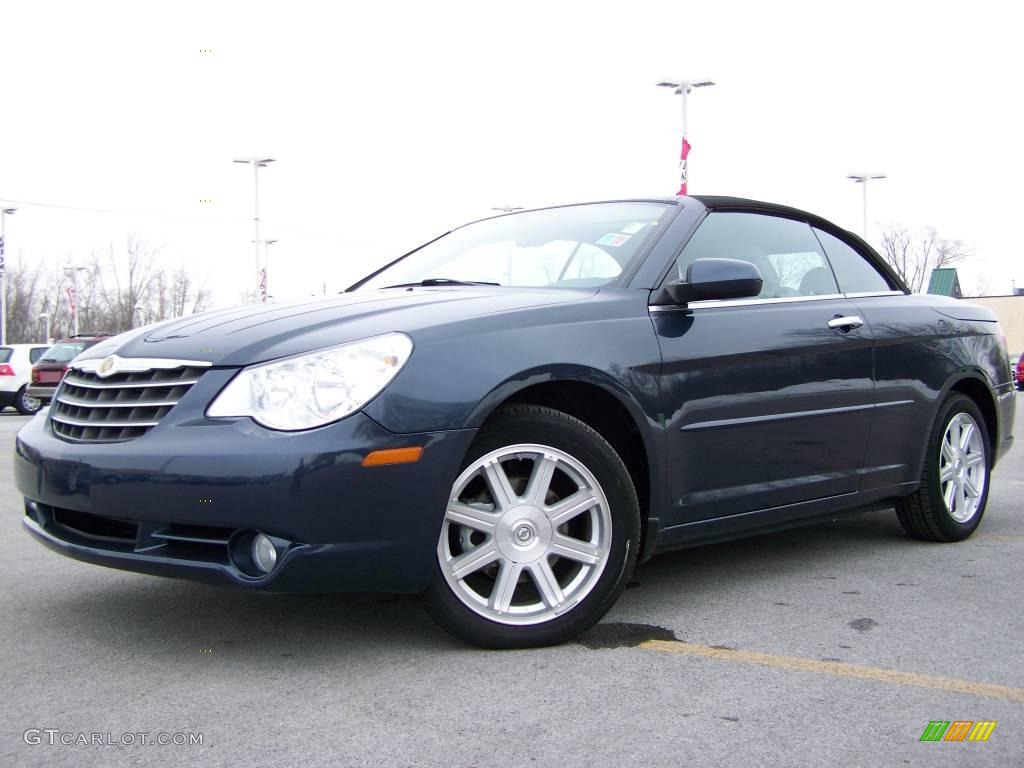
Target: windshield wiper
432, 282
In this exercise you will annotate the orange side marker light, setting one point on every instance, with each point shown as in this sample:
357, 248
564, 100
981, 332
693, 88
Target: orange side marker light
393, 456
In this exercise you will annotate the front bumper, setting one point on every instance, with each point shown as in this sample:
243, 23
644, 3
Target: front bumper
174, 501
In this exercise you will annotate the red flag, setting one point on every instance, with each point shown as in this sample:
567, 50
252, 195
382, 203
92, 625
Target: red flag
682, 166
71, 297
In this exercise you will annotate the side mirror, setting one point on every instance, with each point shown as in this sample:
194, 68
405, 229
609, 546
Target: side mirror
713, 279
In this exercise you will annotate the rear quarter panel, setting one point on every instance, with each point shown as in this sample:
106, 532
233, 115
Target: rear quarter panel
923, 348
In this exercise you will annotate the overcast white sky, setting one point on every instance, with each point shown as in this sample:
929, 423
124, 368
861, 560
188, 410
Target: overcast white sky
392, 122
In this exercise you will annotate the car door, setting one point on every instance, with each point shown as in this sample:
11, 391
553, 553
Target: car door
767, 400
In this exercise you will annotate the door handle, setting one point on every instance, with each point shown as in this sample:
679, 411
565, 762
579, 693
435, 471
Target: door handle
846, 324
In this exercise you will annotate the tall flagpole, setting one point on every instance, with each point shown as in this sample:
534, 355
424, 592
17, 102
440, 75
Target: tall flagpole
685, 152
682, 88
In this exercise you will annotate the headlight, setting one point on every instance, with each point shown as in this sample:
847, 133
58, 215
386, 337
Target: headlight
315, 389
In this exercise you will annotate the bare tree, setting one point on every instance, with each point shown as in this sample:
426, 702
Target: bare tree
914, 256
131, 276
22, 290
91, 297
119, 290
249, 296
185, 297
982, 285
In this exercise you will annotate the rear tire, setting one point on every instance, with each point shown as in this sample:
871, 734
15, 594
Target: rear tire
26, 405
540, 534
951, 501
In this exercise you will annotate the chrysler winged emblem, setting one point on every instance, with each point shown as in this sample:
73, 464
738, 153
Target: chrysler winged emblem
108, 367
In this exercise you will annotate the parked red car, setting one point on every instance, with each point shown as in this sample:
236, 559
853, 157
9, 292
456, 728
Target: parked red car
1020, 373
50, 369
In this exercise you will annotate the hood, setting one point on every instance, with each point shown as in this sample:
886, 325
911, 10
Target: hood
255, 333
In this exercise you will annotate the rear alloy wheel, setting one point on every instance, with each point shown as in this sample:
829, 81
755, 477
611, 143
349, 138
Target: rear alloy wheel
539, 535
26, 405
954, 485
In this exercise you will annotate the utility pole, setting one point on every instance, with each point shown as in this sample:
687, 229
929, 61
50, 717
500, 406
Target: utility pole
257, 163
73, 271
683, 88
3, 272
863, 178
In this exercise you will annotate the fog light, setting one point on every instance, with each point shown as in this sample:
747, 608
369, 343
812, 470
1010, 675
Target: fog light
264, 553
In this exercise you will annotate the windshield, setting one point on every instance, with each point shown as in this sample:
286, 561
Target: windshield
574, 246
64, 352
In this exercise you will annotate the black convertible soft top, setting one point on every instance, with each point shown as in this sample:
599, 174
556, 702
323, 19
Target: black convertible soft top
726, 203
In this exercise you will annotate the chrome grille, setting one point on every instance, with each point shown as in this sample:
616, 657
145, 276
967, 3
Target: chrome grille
92, 407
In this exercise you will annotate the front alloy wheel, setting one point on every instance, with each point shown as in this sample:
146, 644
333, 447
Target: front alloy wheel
526, 535
539, 535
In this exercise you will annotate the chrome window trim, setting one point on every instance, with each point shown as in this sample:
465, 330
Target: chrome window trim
868, 294
711, 303
715, 303
137, 364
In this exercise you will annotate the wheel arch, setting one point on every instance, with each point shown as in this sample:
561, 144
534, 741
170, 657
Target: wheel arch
605, 405
974, 385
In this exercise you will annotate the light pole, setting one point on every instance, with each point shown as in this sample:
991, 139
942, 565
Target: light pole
45, 316
264, 280
73, 271
3, 272
683, 88
257, 163
863, 178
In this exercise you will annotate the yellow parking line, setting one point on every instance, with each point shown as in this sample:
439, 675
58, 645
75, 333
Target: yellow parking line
839, 669
1002, 537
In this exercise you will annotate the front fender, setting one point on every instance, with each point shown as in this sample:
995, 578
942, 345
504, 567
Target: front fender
458, 374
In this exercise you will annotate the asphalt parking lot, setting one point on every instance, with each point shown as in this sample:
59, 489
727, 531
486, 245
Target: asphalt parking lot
830, 645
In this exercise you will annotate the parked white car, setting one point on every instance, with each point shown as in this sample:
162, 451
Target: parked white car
16, 361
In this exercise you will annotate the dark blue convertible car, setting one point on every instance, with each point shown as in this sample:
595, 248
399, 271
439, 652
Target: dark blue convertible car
511, 416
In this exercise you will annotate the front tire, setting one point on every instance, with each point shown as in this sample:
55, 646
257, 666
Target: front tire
540, 534
26, 405
951, 501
